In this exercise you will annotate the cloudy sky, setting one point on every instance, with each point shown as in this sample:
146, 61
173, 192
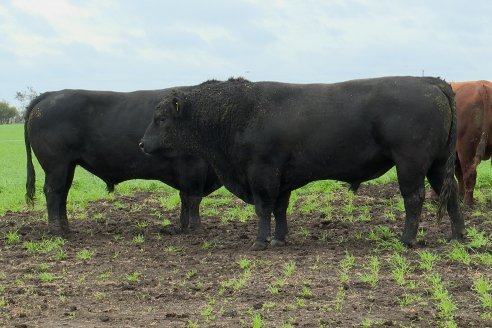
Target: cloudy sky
127, 45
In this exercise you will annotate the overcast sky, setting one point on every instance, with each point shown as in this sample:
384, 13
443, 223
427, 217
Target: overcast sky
126, 45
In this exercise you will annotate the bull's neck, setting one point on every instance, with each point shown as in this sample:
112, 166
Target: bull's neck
213, 139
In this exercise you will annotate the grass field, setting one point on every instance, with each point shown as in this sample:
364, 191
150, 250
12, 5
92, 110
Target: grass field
343, 266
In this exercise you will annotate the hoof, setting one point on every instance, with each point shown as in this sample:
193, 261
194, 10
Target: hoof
169, 230
459, 237
468, 199
60, 232
410, 243
277, 243
195, 229
258, 246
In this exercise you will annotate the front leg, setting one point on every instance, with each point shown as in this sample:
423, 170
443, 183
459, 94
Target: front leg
264, 181
280, 212
184, 216
194, 213
264, 213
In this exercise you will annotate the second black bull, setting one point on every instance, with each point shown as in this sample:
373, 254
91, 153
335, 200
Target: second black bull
100, 131
265, 139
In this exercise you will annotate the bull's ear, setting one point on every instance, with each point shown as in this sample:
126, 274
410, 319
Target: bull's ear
177, 106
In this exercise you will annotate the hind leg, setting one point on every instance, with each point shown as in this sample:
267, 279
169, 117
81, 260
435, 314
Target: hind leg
470, 179
56, 186
468, 172
68, 184
436, 179
264, 181
459, 177
412, 190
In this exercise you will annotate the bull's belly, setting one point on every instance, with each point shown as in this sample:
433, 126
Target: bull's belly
114, 174
120, 171
356, 170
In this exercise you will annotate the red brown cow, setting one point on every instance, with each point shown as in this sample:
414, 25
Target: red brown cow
474, 144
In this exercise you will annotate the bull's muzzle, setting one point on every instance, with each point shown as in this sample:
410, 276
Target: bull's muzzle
141, 145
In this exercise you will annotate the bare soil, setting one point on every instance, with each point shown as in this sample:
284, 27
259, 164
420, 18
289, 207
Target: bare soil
188, 280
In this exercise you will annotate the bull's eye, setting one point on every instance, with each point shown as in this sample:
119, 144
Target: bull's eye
159, 119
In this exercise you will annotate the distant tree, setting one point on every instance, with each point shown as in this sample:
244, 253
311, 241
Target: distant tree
19, 118
7, 112
25, 97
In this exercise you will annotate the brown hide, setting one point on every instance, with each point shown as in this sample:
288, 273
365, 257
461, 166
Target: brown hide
474, 142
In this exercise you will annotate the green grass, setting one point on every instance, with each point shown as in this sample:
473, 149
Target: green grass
289, 268
371, 276
244, 262
170, 201
133, 277
138, 239
44, 246
459, 253
240, 213
46, 277
12, 237
84, 255
257, 321
443, 301
427, 260
400, 268
483, 287
477, 238
13, 168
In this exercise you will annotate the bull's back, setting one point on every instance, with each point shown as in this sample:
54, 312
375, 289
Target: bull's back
488, 119
474, 106
352, 131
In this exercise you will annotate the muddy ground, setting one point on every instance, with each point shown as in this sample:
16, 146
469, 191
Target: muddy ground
122, 268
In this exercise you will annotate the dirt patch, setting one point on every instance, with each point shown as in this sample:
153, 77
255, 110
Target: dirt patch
123, 267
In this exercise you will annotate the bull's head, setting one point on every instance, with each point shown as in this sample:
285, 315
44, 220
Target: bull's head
161, 136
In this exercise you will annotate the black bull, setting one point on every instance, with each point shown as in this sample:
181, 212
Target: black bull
100, 131
266, 139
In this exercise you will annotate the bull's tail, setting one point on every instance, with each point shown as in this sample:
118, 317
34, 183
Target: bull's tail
484, 134
450, 162
31, 174
109, 187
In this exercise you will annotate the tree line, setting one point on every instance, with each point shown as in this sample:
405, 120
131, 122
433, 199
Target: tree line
8, 113
11, 114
